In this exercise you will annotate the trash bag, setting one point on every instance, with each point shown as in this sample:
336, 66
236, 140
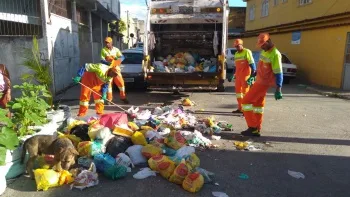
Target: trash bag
149, 151
154, 161
189, 58
158, 142
44, 162
93, 128
193, 161
162, 164
86, 179
123, 131
175, 140
73, 123
65, 178
180, 173
114, 119
185, 151
81, 131
46, 179
207, 175
103, 162
118, 144
138, 139
144, 173
84, 148
168, 151
193, 182
133, 126
124, 160
75, 140
135, 154
115, 172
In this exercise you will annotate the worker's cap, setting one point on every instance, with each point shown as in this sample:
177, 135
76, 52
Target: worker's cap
262, 39
237, 42
108, 40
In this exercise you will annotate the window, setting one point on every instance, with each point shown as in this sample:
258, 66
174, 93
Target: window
304, 2
275, 2
265, 8
252, 13
133, 58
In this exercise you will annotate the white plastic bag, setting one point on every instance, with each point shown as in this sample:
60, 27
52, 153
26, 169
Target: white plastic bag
296, 175
135, 154
87, 178
219, 194
105, 135
144, 173
152, 134
184, 151
123, 159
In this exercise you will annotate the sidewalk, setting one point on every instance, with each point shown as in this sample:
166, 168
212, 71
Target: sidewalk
326, 91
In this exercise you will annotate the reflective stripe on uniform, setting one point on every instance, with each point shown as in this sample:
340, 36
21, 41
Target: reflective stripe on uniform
110, 89
99, 101
247, 107
84, 103
122, 88
239, 95
258, 110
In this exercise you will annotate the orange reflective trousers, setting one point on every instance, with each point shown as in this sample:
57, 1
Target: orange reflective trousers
118, 81
92, 81
241, 88
253, 105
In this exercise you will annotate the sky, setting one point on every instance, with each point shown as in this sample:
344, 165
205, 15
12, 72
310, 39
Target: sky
137, 8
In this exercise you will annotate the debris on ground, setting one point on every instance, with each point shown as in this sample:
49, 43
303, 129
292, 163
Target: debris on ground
219, 194
297, 175
243, 176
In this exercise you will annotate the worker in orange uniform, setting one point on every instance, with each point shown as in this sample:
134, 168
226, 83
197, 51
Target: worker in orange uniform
97, 77
269, 74
244, 72
5, 88
109, 55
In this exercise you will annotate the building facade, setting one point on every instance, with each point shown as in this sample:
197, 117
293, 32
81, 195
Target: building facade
70, 33
236, 21
315, 34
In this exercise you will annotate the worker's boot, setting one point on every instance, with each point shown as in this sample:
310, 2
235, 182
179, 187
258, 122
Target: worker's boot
125, 101
251, 132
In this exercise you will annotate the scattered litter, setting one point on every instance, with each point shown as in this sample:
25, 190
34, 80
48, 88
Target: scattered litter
144, 173
243, 176
253, 148
217, 184
296, 175
241, 145
208, 176
219, 194
214, 137
87, 178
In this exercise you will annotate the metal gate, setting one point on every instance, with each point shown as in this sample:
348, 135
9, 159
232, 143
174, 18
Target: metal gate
346, 77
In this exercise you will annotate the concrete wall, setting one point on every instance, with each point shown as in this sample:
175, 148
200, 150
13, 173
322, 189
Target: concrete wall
12, 56
63, 34
319, 56
291, 11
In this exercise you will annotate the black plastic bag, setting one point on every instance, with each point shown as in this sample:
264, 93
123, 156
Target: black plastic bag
81, 131
118, 144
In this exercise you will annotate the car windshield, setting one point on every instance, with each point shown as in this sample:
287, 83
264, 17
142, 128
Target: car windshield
256, 56
133, 58
140, 45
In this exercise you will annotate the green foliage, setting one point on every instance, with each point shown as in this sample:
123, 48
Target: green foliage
29, 109
8, 137
40, 69
122, 26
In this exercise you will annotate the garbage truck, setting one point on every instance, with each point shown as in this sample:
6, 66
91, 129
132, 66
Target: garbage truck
185, 43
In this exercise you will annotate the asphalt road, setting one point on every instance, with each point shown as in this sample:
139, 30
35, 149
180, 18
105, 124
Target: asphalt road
304, 132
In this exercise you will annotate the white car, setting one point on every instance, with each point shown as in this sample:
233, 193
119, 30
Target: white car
289, 69
230, 61
131, 67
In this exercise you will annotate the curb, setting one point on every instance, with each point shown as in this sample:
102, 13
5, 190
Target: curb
328, 94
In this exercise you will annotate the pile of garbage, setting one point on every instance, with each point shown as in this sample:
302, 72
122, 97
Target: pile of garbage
162, 141
184, 63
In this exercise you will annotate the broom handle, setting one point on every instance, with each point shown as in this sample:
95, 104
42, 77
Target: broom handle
101, 96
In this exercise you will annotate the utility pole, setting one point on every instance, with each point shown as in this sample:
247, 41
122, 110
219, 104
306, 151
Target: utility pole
128, 23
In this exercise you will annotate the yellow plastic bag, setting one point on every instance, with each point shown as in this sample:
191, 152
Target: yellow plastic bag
84, 148
175, 140
180, 173
74, 124
46, 179
146, 128
65, 178
187, 102
166, 168
138, 139
133, 126
75, 140
193, 182
149, 151
193, 161
93, 128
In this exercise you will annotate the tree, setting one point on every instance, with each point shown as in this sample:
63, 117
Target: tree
122, 26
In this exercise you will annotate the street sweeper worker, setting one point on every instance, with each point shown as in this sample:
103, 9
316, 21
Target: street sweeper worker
111, 55
95, 77
244, 72
269, 74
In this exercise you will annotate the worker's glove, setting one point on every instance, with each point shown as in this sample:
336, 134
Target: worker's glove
104, 97
251, 80
76, 79
278, 95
